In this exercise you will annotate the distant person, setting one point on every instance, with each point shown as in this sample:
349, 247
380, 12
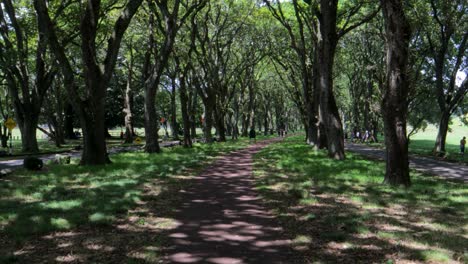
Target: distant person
252, 135
462, 146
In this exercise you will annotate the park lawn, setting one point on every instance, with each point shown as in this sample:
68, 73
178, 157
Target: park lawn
422, 143
115, 213
340, 212
47, 146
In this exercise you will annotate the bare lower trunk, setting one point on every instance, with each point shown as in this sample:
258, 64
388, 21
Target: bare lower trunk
331, 118
326, 55
69, 116
265, 124
56, 127
395, 105
208, 123
28, 135
220, 126
442, 135
151, 122
94, 140
193, 119
174, 128
245, 125
185, 115
397, 167
129, 130
128, 105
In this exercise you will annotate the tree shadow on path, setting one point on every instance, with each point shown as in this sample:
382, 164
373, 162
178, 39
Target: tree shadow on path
222, 219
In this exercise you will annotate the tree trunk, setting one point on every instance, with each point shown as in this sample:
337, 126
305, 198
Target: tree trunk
69, 116
245, 124
56, 130
174, 128
395, 105
94, 130
319, 134
28, 134
328, 107
184, 108
128, 105
151, 122
265, 124
193, 117
208, 122
311, 99
442, 135
220, 126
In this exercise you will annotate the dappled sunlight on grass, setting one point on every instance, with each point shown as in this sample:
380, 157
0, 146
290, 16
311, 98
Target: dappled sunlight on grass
71, 197
347, 213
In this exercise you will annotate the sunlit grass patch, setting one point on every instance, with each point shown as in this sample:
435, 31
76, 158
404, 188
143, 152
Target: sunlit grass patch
435, 256
350, 205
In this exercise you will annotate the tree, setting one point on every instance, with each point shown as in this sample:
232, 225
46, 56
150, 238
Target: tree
395, 101
448, 45
329, 35
302, 42
168, 20
27, 82
97, 71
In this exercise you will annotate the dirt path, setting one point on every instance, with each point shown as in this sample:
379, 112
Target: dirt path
222, 219
435, 167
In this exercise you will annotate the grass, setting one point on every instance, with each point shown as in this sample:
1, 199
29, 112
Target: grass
48, 146
122, 205
422, 143
338, 211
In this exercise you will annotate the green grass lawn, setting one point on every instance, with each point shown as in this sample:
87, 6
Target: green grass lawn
423, 142
339, 212
48, 146
50, 215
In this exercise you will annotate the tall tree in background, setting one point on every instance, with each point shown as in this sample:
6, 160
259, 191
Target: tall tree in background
167, 20
328, 37
448, 45
300, 37
97, 71
395, 101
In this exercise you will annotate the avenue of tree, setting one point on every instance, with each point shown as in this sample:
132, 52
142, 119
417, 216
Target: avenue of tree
330, 67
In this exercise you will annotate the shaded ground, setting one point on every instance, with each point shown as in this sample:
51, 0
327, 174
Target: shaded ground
340, 212
435, 167
222, 219
115, 213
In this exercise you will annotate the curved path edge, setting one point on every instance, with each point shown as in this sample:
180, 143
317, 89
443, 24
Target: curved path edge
443, 169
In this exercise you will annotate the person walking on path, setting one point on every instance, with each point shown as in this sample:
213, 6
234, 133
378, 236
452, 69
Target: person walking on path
252, 136
462, 147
